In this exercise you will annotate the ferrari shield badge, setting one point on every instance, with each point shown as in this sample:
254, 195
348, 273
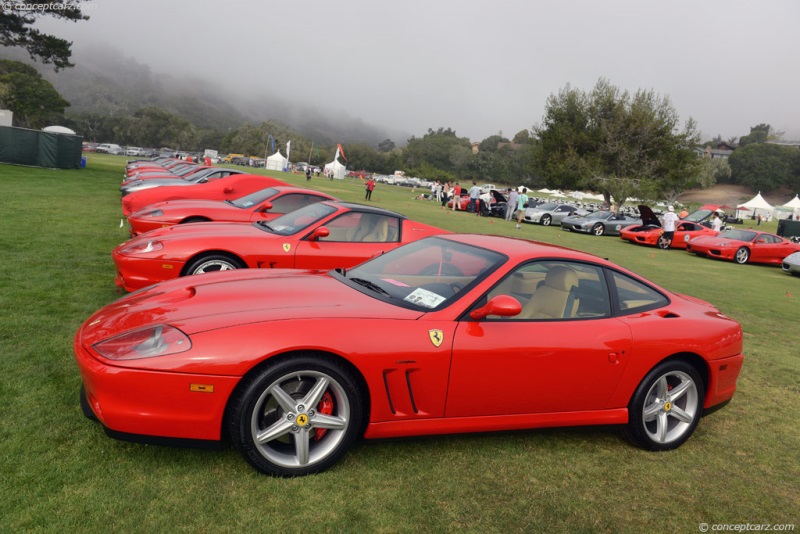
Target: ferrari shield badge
436, 336
287, 247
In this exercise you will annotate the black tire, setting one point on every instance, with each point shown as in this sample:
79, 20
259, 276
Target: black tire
213, 262
191, 220
599, 229
742, 255
666, 407
546, 220
296, 448
85, 408
663, 243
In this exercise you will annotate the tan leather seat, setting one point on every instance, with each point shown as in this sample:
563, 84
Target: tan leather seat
556, 298
371, 228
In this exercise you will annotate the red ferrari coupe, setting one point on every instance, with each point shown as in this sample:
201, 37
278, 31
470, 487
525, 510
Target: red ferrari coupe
225, 188
262, 205
744, 246
651, 233
449, 334
325, 235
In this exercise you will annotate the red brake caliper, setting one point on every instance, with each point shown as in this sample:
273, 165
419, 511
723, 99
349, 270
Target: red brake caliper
324, 407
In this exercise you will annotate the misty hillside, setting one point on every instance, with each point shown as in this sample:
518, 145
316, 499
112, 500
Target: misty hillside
105, 82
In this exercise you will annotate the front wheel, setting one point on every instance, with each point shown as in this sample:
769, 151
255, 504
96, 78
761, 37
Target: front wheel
212, 263
598, 229
666, 407
547, 220
742, 255
663, 243
297, 416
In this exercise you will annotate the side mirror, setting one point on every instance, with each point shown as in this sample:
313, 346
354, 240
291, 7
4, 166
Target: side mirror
266, 207
502, 305
321, 231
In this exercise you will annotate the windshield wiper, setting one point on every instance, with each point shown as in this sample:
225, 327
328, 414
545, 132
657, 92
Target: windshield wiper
263, 224
371, 285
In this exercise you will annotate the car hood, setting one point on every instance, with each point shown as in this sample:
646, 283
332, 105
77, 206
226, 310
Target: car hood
648, 217
220, 300
209, 230
153, 182
715, 241
172, 206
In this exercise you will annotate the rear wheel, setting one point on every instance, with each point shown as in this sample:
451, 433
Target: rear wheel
742, 255
297, 416
598, 229
547, 220
666, 407
213, 262
663, 243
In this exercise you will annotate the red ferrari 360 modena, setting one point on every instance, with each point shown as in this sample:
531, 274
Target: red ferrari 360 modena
744, 246
226, 188
325, 235
263, 205
449, 334
650, 231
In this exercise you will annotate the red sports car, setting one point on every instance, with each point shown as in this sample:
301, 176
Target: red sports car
262, 205
744, 246
651, 233
454, 333
225, 188
325, 235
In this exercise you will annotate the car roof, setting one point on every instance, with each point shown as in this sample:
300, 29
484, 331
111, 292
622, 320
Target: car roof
517, 248
366, 208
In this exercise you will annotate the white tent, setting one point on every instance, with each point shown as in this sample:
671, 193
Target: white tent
337, 168
757, 203
276, 162
58, 129
793, 207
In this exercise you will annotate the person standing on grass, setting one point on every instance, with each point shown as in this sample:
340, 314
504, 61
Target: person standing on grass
370, 187
511, 204
474, 195
456, 197
522, 205
670, 220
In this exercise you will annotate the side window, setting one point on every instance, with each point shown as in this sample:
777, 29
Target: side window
293, 201
634, 296
556, 290
357, 227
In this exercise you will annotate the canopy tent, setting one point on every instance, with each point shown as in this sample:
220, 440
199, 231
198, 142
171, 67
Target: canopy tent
794, 203
58, 130
793, 207
335, 169
276, 162
756, 203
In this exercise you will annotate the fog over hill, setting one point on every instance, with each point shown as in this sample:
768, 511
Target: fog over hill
106, 82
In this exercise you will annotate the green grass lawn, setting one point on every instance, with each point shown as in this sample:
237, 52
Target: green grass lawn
61, 473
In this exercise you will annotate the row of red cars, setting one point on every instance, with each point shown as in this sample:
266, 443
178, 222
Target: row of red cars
312, 348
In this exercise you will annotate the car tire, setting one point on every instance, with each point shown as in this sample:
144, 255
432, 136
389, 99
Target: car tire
666, 406
546, 220
742, 255
296, 416
598, 229
663, 243
213, 262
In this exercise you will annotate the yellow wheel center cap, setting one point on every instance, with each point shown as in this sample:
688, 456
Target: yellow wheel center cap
302, 419
667, 406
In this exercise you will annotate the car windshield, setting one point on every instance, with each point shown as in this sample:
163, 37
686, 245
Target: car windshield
427, 274
254, 198
598, 215
739, 235
698, 215
549, 206
298, 220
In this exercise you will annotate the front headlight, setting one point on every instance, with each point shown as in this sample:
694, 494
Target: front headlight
152, 213
142, 247
149, 342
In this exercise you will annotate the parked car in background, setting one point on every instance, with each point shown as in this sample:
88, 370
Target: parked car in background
110, 148
323, 235
263, 205
791, 264
135, 151
602, 222
649, 232
551, 213
744, 246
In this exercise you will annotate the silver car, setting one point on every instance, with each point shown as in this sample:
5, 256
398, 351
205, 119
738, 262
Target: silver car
551, 213
599, 223
200, 177
791, 264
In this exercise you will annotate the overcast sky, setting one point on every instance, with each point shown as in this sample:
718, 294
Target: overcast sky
475, 66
